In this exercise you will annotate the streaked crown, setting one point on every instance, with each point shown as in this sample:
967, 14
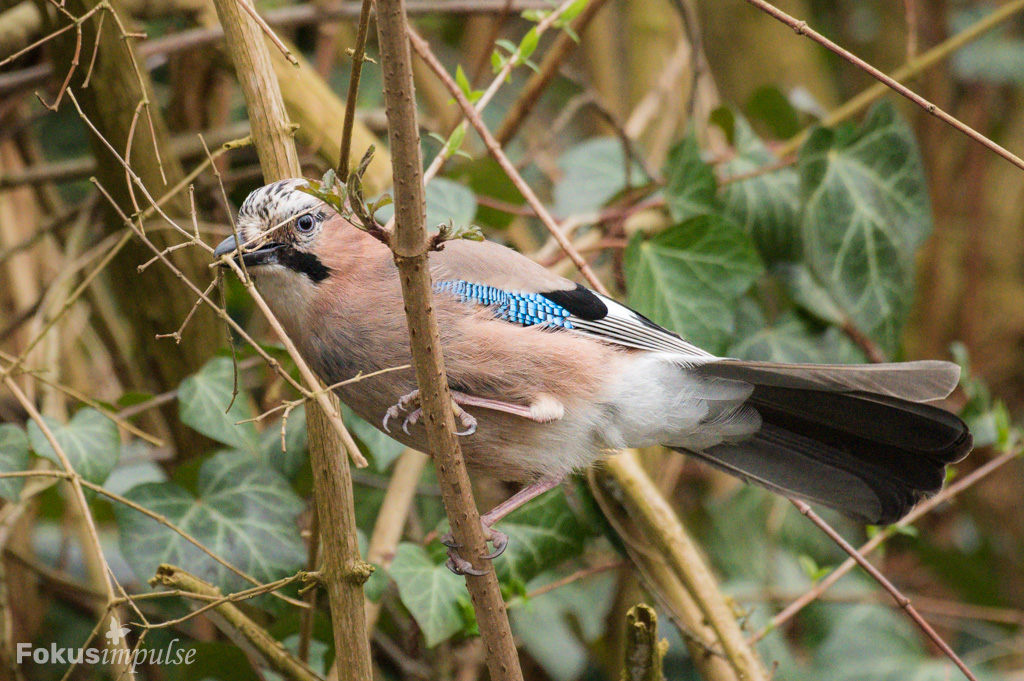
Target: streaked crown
273, 204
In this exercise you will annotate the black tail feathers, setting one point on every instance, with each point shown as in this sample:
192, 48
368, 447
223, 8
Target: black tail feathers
869, 456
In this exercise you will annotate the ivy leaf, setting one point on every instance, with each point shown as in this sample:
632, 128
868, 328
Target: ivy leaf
14, 457
203, 399
556, 627
769, 104
592, 173
866, 212
767, 206
243, 511
436, 598
808, 293
90, 440
871, 643
447, 201
789, 338
542, 535
690, 185
290, 461
688, 277
383, 449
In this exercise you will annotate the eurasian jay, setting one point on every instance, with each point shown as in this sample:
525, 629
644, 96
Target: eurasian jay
548, 376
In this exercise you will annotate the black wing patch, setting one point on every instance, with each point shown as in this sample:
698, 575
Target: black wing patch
580, 310
580, 302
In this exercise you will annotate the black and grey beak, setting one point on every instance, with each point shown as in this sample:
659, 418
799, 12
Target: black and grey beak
265, 255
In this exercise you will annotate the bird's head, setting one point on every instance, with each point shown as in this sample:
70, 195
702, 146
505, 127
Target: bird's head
280, 229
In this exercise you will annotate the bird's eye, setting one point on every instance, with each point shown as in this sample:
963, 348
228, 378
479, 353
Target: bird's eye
305, 223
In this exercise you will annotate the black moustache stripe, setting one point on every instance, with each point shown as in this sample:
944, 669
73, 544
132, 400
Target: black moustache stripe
304, 263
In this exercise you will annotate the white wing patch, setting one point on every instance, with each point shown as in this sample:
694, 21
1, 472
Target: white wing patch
624, 326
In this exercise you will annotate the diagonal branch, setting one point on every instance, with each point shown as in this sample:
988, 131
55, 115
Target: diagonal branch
924, 507
802, 28
902, 600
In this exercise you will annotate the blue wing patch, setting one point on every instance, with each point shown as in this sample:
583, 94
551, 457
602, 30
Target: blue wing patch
527, 309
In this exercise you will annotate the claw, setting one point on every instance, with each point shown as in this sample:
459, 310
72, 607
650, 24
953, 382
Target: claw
405, 402
499, 540
448, 540
466, 419
411, 420
461, 566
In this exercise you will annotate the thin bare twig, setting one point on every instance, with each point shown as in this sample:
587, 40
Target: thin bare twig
501, 77
576, 576
153, 515
802, 28
903, 601
358, 57
473, 116
344, 572
281, 17
273, 652
262, 23
921, 509
93, 545
549, 66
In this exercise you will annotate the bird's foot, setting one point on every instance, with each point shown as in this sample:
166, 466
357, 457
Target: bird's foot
459, 565
407, 402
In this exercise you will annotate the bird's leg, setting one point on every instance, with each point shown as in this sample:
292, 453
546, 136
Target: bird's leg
543, 409
499, 540
406, 401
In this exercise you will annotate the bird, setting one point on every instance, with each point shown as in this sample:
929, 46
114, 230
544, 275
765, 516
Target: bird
549, 377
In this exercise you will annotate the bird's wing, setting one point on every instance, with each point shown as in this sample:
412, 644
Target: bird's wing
518, 290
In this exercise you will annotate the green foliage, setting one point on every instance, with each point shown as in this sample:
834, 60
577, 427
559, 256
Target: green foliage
690, 184
789, 338
811, 568
467, 89
592, 173
766, 205
243, 511
436, 598
542, 534
557, 627
447, 202
807, 293
14, 455
207, 403
688, 278
987, 417
769, 105
90, 440
286, 458
383, 450
840, 233
884, 644
745, 256
866, 211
